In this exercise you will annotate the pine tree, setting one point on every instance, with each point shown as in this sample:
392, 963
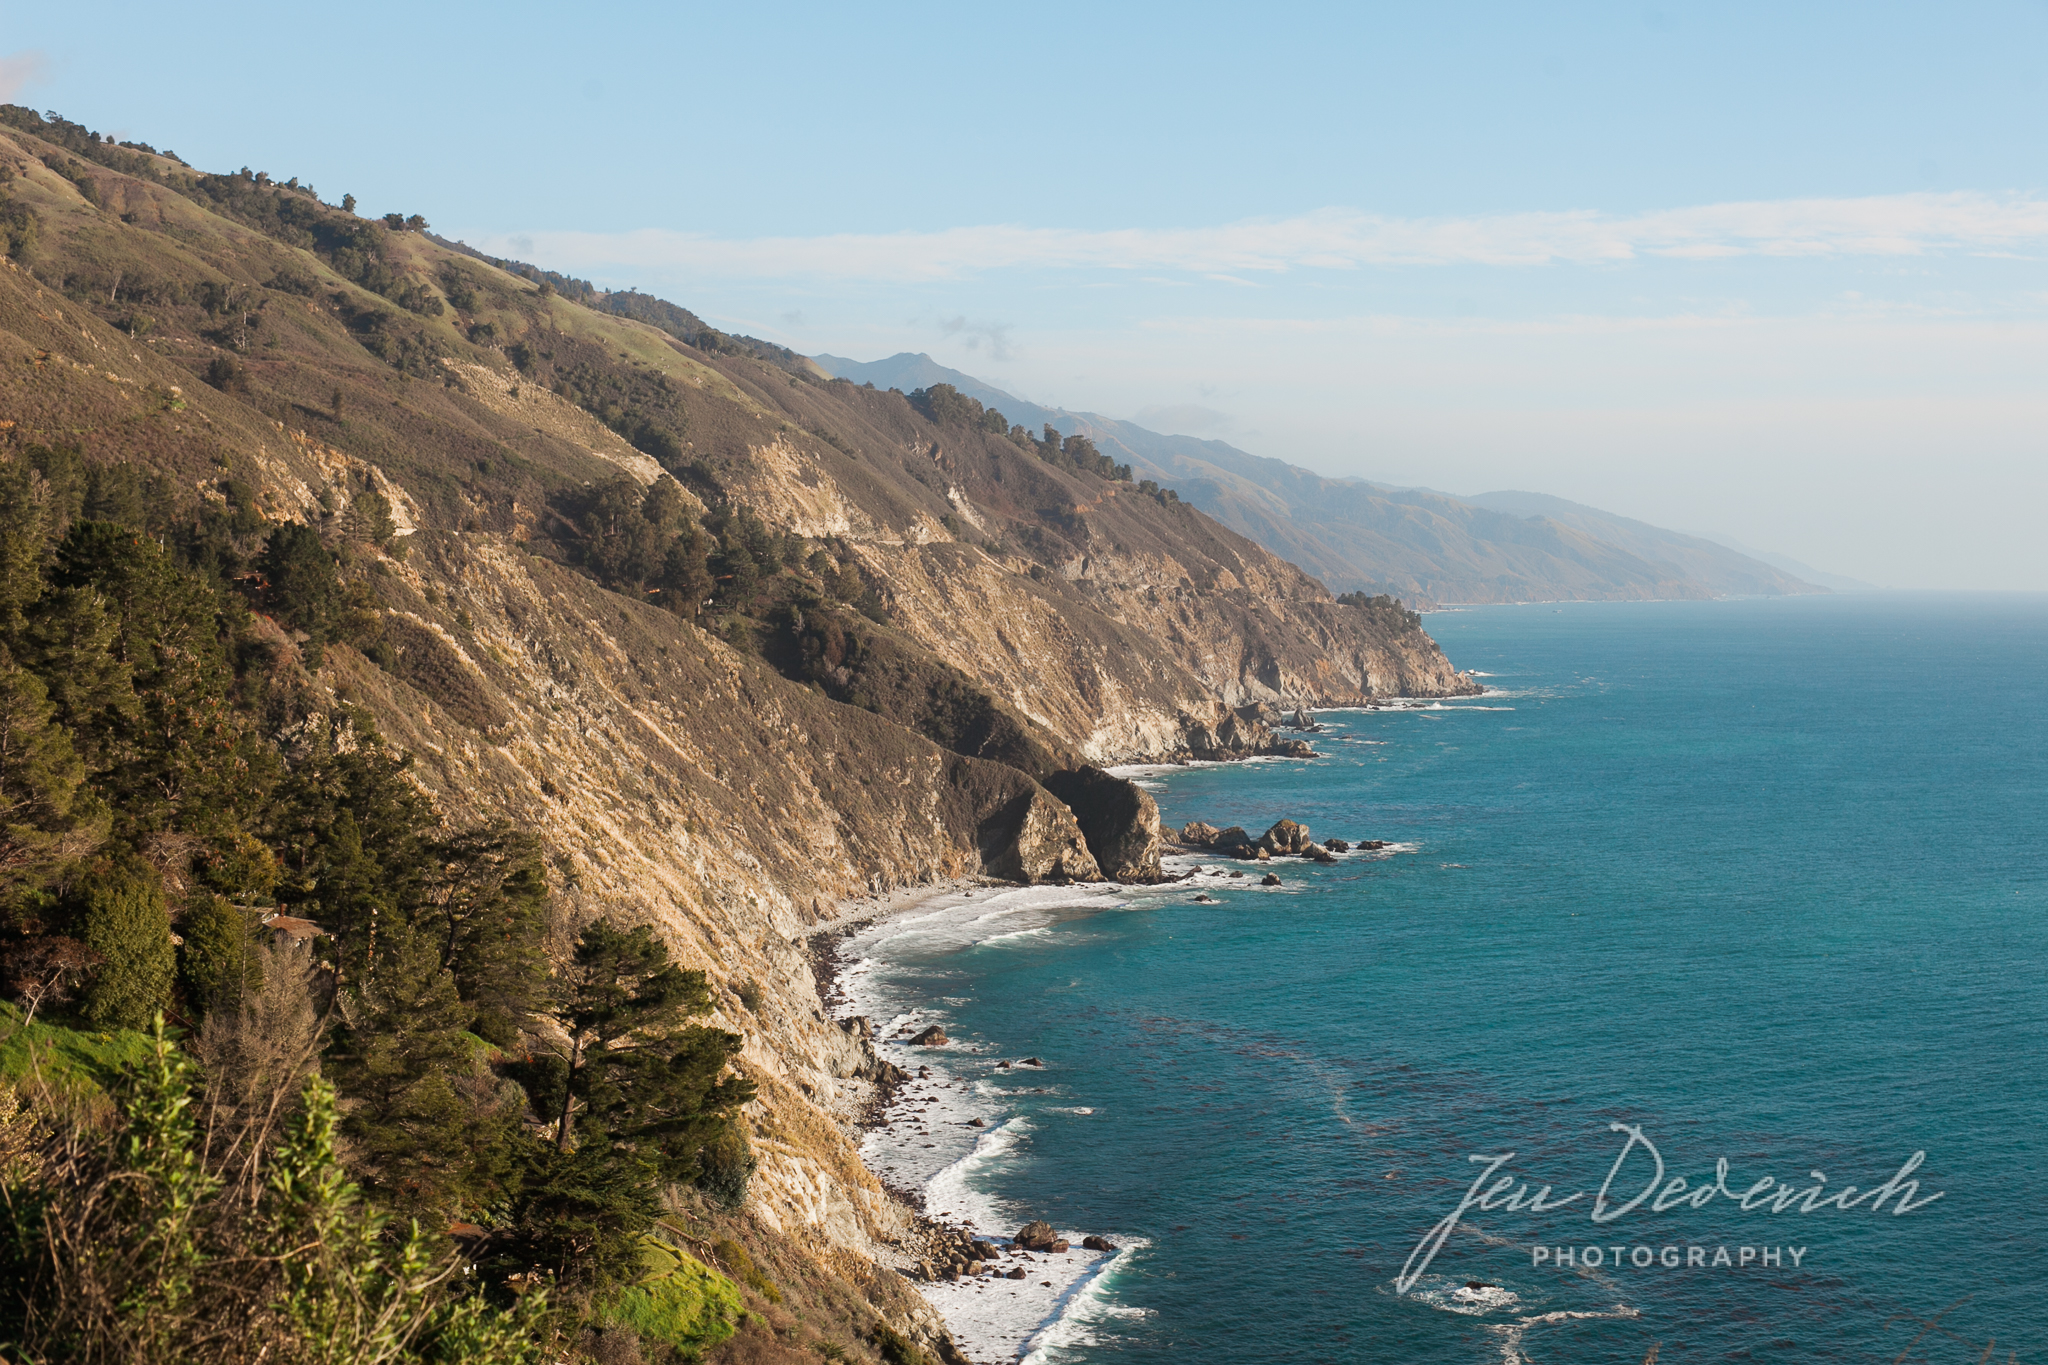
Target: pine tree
40, 774
303, 587
434, 1132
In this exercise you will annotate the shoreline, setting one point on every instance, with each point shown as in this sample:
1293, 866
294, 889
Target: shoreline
938, 1113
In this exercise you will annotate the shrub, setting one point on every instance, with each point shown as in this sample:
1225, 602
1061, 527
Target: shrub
119, 911
725, 1166
895, 1348
691, 1308
224, 374
19, 227
735, 1258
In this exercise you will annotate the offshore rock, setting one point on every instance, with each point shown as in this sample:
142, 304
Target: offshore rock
1197, 834
1234, 843
931, 1037
1286, 836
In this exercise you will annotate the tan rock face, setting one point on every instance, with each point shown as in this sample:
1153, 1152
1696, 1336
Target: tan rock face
1035, 838
1122, 623
679, 783
673, 780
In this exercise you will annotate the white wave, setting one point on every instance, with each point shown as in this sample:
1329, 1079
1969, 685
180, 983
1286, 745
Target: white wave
927, 1142
1511, 1333
1084, 1310
1451, 1295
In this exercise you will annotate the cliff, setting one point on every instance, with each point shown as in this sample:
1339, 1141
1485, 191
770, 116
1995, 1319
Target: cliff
950, 636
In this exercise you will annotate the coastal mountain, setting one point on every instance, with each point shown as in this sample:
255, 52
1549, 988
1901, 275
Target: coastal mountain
1728, 572
1423, 546
464, 584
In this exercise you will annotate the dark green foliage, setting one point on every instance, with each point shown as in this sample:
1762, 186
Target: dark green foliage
748, 553
117, 910
224, 374
40, 773
484, 910
895, 1348
180, 756
217, 961
369, 518
19, 228
300, 282
640, 403
1077, 455
436, 1135
634, 1075
386, 335
642, 542
725, 1166
849, 660
354, 839
301, 585
577, 1216
1382, 603
947, 406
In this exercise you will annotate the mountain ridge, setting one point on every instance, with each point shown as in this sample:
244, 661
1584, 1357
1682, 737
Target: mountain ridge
1419, 544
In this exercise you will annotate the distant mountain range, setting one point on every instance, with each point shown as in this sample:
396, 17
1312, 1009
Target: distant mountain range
1423, 546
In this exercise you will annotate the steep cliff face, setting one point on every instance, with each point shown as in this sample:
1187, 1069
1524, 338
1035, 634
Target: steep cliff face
731, 779
1116, 618
678, 782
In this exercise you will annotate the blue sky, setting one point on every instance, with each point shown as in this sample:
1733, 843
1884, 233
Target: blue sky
1768, 271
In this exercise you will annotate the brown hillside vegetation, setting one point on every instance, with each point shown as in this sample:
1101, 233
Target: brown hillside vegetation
734, 640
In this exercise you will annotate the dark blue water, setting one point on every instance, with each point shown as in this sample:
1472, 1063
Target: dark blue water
1764, 879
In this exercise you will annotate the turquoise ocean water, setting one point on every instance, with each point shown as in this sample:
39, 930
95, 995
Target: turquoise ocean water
1764, 879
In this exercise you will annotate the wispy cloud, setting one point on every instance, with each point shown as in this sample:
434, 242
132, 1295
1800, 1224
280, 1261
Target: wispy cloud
18, 71
995, 334
1339, 239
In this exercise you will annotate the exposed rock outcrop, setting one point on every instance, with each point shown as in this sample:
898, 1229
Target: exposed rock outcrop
1034, 838
1118, 818
1286, 836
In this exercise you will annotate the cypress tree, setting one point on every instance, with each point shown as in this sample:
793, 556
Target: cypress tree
119, 913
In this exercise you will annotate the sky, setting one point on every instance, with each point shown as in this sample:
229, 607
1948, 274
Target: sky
1770, 272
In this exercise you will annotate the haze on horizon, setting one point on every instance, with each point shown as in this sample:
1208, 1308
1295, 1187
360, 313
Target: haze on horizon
1757, 272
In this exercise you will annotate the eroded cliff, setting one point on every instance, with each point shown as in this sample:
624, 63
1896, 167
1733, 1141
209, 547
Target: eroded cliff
957, 632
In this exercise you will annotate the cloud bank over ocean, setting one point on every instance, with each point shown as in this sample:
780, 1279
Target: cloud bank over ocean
1896, 225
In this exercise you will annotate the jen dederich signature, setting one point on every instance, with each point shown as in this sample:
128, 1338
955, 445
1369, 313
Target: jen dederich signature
1767, 1193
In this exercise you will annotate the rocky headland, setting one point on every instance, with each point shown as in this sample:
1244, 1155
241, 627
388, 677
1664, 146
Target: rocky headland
911, 639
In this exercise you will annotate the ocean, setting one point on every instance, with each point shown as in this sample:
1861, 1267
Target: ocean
1757, 882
